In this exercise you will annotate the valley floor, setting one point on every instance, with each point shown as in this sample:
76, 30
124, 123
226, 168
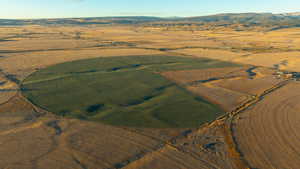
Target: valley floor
262, 134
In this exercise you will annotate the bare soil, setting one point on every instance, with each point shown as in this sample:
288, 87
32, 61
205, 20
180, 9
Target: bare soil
268, 133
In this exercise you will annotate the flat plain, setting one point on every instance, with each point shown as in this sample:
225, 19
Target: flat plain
259, 130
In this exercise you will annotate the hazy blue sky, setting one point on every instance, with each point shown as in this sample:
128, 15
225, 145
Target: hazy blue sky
89, 8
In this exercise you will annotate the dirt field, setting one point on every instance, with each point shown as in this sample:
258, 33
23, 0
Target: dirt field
227, 99
227, 87
268, 133
248, 86
50, 142
94, 146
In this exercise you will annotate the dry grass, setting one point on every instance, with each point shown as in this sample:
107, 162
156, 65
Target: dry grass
270, 129
205, 83
7, 88
248, 86
232, 148
50, 142
168, 157
226, 99
190, 76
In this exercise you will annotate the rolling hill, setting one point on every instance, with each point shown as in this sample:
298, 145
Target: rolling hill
276, 21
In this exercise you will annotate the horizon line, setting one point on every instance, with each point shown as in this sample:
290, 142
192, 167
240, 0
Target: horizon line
157, 16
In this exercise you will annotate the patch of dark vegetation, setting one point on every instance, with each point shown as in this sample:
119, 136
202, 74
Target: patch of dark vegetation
157, 92
208, 80
115, 44
6, 40
82, 72
121, 165
116, 68
139, 101
262, 49
185, 47
63, 113
94, 109
13, 78
8, 90
250, 71
186, 132
125, 67
296, 75
132, 103
164, 49
160, 88
210, 146
23, 89
5, 51
146, 98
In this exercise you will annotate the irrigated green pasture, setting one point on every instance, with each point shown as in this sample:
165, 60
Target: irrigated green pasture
123, 91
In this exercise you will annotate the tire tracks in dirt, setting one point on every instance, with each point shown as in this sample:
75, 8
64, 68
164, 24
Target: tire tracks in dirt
164, 144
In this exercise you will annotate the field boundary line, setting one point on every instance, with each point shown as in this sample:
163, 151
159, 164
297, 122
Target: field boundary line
231, 140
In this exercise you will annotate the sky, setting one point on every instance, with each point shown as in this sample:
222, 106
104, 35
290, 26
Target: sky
19, 9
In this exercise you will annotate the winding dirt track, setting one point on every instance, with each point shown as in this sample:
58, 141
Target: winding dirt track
268, 133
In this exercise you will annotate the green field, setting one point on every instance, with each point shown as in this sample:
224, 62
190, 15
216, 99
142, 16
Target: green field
123, 91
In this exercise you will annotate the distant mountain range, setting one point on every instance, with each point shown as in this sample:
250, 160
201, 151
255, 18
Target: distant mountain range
247, 17
291, 14
81, 21
275, 21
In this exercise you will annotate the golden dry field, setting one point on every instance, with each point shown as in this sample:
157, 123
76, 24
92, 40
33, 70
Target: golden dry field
260, 130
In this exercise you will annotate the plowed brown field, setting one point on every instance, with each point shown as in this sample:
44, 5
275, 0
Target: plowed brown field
248, 86
268, 133
227, 99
